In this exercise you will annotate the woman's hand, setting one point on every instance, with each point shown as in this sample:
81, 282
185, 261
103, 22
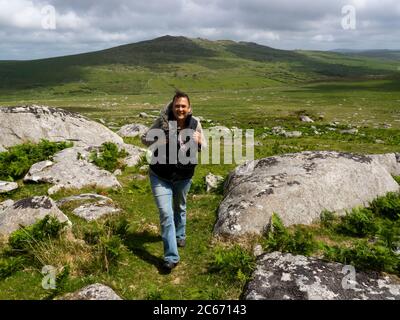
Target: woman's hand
197, 137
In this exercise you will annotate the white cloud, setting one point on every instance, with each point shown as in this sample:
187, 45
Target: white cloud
324, 37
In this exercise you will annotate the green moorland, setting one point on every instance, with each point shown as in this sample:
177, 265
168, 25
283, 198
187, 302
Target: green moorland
234, 84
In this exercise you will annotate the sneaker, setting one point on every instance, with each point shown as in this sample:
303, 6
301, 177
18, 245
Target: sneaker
181, 243
169, 265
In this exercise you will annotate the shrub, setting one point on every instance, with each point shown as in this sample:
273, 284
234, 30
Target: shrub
389, 234
10, 265
327, 219
365, 256
198, 186
236, 264
118, 227
16, 162
110, 250
47, 228
109, 156
387, 206
60, 281
359, 222
279, 238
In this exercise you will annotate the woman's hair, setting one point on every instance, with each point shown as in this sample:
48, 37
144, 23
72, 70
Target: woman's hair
180, 94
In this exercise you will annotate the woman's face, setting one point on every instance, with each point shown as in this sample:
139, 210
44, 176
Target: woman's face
181, 108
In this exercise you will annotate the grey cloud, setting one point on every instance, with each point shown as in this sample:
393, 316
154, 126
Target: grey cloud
286, 24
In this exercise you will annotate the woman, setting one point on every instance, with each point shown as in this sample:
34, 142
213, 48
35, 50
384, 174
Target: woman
170, 178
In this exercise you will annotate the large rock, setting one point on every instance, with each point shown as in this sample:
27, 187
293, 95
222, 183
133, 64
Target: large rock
71, 169
299, 186
26, 212
33, 123
6, 186
134, 154
281, 276
95, 291
132, 130
391, 161
5, 204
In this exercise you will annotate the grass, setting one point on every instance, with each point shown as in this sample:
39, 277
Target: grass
246, 86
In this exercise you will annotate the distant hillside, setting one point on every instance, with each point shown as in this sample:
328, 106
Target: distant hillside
192, 64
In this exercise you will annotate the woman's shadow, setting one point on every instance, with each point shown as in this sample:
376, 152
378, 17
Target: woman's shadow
135, 243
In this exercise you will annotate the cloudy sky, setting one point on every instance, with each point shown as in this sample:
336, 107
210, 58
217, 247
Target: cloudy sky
31, 29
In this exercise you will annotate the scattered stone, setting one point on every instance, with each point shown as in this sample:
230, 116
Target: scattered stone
349, 131
212, 182
26, 212
220, 130
33, 123
292, 134
139, 177
304, 118
82, 197
379, 141
144, 168
132, 130
280, 276
278, 130
145, 115
258, 250
117, 172
95, 291
6, 186
299, 186
95, 211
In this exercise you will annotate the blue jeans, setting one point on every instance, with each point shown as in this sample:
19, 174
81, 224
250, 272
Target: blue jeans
170, 198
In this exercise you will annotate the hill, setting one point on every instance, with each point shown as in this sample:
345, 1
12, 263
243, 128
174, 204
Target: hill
167, 62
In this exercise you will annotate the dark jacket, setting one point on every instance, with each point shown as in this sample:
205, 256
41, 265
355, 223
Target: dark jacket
167, 170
